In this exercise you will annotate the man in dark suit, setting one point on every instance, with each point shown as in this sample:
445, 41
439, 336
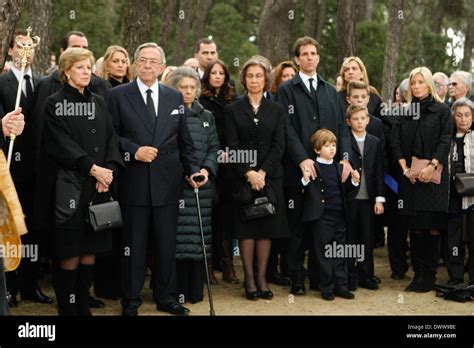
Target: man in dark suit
158, 150
22, 169
311, 104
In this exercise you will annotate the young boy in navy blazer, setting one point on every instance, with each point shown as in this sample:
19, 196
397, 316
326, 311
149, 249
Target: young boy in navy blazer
325, 212
367, 200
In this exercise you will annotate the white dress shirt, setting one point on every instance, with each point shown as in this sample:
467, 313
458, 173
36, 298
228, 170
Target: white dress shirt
154, 95
17, 73
305, 78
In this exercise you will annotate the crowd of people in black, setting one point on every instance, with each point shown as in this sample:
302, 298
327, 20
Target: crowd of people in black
337, 164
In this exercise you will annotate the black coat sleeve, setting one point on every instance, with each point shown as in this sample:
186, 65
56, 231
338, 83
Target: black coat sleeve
273, 158
443, 143
379, 162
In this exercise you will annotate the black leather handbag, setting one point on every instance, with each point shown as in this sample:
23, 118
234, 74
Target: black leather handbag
105, 216
464, 183
262, 206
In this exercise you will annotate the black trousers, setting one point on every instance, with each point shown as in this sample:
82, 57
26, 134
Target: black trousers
107, 270
190, 276
397, 234
296, 245
25, 278
278, 256
361, 229
454, 252
330, 228
143, 226
3, 294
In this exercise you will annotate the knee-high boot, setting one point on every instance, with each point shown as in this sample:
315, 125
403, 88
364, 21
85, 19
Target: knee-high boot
417, 255
228, 272
430, 262
64, 285
85, 276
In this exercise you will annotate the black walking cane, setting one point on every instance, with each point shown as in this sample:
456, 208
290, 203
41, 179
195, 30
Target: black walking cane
209, 290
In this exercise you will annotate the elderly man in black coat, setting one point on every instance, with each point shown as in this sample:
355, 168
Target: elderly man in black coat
310, 104
155, 142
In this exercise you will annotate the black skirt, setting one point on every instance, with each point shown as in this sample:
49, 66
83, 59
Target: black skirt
271, 227
429, 220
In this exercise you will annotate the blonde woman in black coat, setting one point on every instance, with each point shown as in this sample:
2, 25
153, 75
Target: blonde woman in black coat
254, 126
426, 135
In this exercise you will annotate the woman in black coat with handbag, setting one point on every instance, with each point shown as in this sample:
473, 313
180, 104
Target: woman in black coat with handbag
255, 136
425, 135
81, 142
190, 269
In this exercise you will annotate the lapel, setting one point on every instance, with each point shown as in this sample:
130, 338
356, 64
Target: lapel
297, 80
355, 147
138, 104
247, 108
367, 144
165, 108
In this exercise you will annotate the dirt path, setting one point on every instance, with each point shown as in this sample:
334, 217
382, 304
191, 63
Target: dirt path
390, 299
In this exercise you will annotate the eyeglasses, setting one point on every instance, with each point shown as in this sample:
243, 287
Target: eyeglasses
153, 61
453, 84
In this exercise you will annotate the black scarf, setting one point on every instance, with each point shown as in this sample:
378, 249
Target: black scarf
424, 103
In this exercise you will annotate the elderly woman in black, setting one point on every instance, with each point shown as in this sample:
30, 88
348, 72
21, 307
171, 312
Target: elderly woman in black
461, 160
254, 129
80, 141
216, 93
189, 256
426, 135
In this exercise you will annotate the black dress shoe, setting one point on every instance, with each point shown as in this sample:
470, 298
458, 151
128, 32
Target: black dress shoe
173, 308
265, 294
278, 279
376, 279
129, 312
368, 284
95, 303
344, 294
327, 295
298, 289
12, 301
454, 281
352, 287
397, 276
36, 295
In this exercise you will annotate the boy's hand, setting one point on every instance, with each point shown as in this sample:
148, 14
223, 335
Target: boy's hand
355, 176
378, 208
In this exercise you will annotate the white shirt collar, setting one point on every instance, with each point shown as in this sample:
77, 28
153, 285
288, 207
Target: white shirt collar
305, 78
324, 161
154, 89
17, 73
359, 138
201, 73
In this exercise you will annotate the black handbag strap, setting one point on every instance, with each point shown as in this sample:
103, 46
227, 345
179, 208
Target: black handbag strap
95, 193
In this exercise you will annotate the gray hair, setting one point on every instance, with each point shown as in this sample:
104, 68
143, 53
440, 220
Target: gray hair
176, 76
403, 88
442, 75
464, 76
463, 102
153, 45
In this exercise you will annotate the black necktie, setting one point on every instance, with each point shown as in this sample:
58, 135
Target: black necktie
150, 106
311, 89
29, 88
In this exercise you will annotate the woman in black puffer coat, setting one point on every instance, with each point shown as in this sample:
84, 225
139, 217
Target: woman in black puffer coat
189, 257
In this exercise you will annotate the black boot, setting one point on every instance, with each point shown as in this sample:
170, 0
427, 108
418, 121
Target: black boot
430, 264
64, 283
85, 276
417, 256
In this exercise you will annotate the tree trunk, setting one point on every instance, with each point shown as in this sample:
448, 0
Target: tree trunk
10, 11
40, 20
392, 47
185, 14
201, 11
321, 12
136, 24
274, 29
365, 10
345, 30
468, 44
310, 21
169, 12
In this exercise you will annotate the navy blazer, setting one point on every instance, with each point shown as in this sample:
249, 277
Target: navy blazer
373, 163
314, 201
300, 120
161, 181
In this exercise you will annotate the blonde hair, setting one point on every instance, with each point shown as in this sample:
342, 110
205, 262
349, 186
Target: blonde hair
353, 108
321, 137
428, 77
365, 76
71, 56
109, 53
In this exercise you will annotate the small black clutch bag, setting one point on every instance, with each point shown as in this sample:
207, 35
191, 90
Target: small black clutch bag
464, 183
105, 216
261, 208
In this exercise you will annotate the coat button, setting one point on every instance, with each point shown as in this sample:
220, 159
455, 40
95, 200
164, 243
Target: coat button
360, 157
322, 200
314, 117
93, 130
96, 149
322, 190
